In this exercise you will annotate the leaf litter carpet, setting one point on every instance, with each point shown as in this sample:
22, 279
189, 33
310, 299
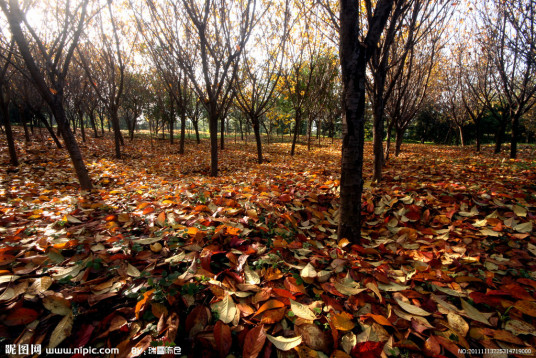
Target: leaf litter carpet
248, 264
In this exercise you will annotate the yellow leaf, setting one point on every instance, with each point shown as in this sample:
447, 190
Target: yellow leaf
342, 321
302, 310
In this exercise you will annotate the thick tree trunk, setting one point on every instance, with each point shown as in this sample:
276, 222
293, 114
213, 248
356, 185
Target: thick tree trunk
72, 146
257, 131
297, 124
499, 136
354, 56
9, 133
515, 136
213, 129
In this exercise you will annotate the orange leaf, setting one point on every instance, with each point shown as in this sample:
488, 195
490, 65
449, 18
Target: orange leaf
342, 321
232, 230
527, 307
161, 219
193, 231
142, 206
140, 306
268, 306
379, 319
148, 210
273, 316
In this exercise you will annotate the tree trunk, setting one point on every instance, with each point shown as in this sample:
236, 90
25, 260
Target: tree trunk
82, 129
309, 130
377, 125
22, 119
399, 139
354, 56
101, 118
222, 134
499, 136
296, 131
171, 120
9, 132
515, 136
93, 124
478, 133
117, 133
72, 146
183, 132
213, 129
462, 139
196, 128
43, 120
388, 144
257, 131
241, 130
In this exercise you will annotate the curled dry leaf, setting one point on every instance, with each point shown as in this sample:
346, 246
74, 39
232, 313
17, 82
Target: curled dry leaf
284, 343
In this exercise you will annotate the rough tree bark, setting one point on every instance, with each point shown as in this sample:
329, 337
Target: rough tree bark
354, 56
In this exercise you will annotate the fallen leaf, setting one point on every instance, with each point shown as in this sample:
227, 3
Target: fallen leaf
20, 316
62, 331
302, 311
411, 308
254, 342
520, 327
284, 343
342, 321
458, 323
473, 313
226, 309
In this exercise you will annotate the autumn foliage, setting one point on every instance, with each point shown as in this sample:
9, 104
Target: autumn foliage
249, 264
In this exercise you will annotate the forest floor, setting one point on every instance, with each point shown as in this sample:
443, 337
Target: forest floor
248, 264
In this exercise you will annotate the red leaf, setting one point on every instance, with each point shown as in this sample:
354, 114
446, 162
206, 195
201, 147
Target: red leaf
367, 349
222, 335
254, 342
